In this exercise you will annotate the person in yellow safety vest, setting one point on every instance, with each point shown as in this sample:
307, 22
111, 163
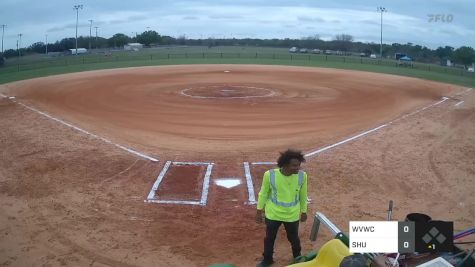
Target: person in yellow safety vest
283, 200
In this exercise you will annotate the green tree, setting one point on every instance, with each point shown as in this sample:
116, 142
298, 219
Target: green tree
181, 40
68, 43
118, 40
148, 37
10, 53
167, 40
444, 52
464, 55
38, 47
343, 42
344, 37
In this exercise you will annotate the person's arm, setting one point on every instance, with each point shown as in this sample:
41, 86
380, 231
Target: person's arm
303, 199
263, 196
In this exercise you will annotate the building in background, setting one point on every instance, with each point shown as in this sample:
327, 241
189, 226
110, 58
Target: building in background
133, 47
79, 51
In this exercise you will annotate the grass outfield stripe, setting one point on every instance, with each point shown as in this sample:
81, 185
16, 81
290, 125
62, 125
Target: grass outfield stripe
10, 74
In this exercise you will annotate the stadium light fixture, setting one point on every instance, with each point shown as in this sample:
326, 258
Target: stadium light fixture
381, 10
77, 7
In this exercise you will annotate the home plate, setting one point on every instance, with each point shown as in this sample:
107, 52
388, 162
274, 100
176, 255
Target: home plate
227, 71
228, 182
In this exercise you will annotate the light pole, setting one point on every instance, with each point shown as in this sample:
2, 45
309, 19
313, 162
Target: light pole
96, 36
381, 10
19, 45
46, 44
90, 33
77, 7
3, 32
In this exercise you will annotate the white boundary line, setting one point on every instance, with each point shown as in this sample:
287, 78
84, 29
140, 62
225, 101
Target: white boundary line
151, 198
204, 194
270, 94
88, 133
191, 163
421, 109
459, 103
310, 154
464, 92
173, 202
313, 153
250, 185
4, 96
152, 193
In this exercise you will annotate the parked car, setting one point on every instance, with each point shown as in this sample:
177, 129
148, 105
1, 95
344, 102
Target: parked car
471, 69
372, 56
316, 51
303, 50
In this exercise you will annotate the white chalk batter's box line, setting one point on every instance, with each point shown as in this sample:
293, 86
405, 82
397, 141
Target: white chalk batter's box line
250, 184
152, 196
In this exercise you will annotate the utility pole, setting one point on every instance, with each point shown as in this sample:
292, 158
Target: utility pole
381, 10
46, 44
90, 33
3, 33
96, 36
77, 7
19, 45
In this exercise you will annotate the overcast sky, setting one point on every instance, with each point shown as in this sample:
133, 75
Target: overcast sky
405, 20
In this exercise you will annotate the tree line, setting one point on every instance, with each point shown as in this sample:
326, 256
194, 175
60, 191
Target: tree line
344, 42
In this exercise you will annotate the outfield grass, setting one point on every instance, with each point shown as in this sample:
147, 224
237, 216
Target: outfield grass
38, 66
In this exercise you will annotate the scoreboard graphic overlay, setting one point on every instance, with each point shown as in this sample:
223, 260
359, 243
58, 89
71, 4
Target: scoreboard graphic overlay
402, 237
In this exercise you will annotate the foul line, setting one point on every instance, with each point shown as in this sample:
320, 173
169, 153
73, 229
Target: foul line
344, 141
88, 133
4, 96
459, 103
421, 109
313, 153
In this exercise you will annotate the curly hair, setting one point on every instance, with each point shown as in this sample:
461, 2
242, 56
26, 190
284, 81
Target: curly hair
288, 155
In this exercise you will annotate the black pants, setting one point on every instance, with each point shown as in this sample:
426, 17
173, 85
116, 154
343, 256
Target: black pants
272, 227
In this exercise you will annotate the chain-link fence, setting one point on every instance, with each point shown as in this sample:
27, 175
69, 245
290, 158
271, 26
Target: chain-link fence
151, 59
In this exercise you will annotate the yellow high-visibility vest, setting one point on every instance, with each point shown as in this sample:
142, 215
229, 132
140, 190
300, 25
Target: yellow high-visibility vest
283, 197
